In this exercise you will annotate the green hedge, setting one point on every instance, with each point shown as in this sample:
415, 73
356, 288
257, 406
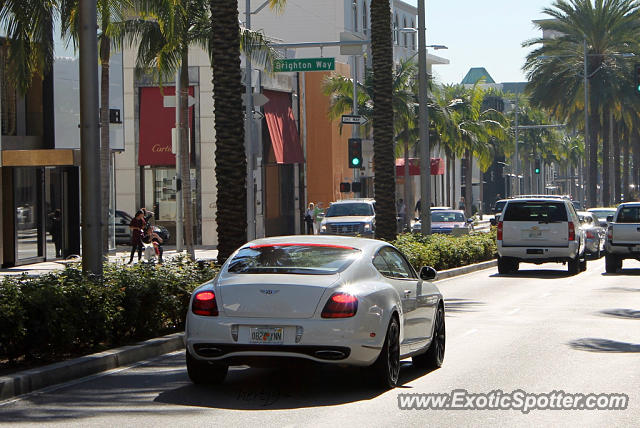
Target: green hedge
446, 251
64, 313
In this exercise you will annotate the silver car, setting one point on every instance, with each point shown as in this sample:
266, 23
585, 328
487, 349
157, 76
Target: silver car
595, 234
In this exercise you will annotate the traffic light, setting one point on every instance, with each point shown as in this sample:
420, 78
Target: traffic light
637, 75
537, 166
356, 187
355, 153
345, 187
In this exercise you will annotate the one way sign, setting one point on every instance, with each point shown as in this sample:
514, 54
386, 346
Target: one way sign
353, 119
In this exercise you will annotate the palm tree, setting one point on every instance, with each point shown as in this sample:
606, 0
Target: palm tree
164, 31
28, 25
555, 69
383, 157
226, 41
475, 128
109, 11
340, 90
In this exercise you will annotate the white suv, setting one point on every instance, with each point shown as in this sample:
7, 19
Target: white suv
354, 217
540, 230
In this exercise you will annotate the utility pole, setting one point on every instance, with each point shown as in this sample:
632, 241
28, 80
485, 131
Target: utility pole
248, 137
355, 129
90, 140
425, 164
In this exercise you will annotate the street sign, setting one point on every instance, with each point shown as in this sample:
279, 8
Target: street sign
349, 36
170, 101
304, 64
354, 119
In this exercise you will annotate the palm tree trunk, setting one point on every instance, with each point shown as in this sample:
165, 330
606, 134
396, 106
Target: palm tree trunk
105, 150
448, 183
185, 158
382, 57
616, 163
625, 166
635, 149
468, 183
231, 162
606, 153
592, 195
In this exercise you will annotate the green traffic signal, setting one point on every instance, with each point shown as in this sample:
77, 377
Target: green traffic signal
355, 161
537, 170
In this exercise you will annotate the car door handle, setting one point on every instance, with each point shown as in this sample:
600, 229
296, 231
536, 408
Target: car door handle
407, 293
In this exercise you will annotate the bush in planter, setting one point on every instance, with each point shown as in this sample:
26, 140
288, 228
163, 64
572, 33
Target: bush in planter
64, 313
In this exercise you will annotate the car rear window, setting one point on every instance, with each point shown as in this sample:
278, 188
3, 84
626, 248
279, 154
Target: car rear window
310, 259
447, 216
535, 211
628, 215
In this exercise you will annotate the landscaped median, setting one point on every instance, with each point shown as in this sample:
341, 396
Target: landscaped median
64, 314
446, 251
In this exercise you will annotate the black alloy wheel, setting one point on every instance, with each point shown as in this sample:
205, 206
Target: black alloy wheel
434, 357
387, 366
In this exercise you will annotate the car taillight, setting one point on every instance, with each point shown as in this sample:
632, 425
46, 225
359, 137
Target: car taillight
572, 232
340, 305
204, 303
499, 234
610, 233
590, 235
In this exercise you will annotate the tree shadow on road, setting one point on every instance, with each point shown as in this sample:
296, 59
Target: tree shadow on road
297, 386
604, 345
622, 313
461, 305
534, 273
621, 289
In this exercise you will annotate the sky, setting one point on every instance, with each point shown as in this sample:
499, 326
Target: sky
482, 33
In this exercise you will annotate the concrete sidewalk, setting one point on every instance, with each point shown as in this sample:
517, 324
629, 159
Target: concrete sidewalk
121, 255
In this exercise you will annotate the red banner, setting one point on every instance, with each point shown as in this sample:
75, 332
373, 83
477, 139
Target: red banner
156, 122
437, 166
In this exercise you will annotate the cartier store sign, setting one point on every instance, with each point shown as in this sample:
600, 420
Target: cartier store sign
156, 122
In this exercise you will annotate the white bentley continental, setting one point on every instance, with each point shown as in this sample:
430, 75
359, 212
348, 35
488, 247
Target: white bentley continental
328, 299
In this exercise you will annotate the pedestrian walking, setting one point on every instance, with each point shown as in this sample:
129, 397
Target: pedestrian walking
461, 203
317, 218
137, 227
308, 218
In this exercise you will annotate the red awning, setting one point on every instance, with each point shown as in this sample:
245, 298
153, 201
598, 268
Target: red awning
437, 166
282, 128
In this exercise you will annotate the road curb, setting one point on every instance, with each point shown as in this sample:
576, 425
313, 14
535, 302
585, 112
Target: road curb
450, 273
64, 371
30, 380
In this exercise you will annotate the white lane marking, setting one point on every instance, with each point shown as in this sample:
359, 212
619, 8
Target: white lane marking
513, 311
470, 332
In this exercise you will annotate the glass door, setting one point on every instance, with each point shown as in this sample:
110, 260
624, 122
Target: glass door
28, 213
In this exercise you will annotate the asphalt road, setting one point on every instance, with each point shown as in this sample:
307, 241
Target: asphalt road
539, 331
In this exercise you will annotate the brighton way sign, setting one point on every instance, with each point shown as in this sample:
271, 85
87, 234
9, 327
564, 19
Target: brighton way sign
304, 64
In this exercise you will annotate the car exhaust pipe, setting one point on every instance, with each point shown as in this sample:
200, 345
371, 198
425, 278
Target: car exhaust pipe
327, 354
208, 351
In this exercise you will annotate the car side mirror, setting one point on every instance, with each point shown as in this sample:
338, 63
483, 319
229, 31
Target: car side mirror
609, 218
469, 220
428, 273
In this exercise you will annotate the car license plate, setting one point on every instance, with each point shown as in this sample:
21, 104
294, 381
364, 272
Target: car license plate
266, 335
535, 234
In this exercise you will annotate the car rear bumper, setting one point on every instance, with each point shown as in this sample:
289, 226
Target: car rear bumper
334, 341
539, 254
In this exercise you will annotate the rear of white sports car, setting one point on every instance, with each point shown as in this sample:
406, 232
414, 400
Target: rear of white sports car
314, 302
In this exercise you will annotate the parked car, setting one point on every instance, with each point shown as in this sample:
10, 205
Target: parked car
446, 221
623, 236
350, 217
328, 299
540, 230
122, 231
602, 214
595, 234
